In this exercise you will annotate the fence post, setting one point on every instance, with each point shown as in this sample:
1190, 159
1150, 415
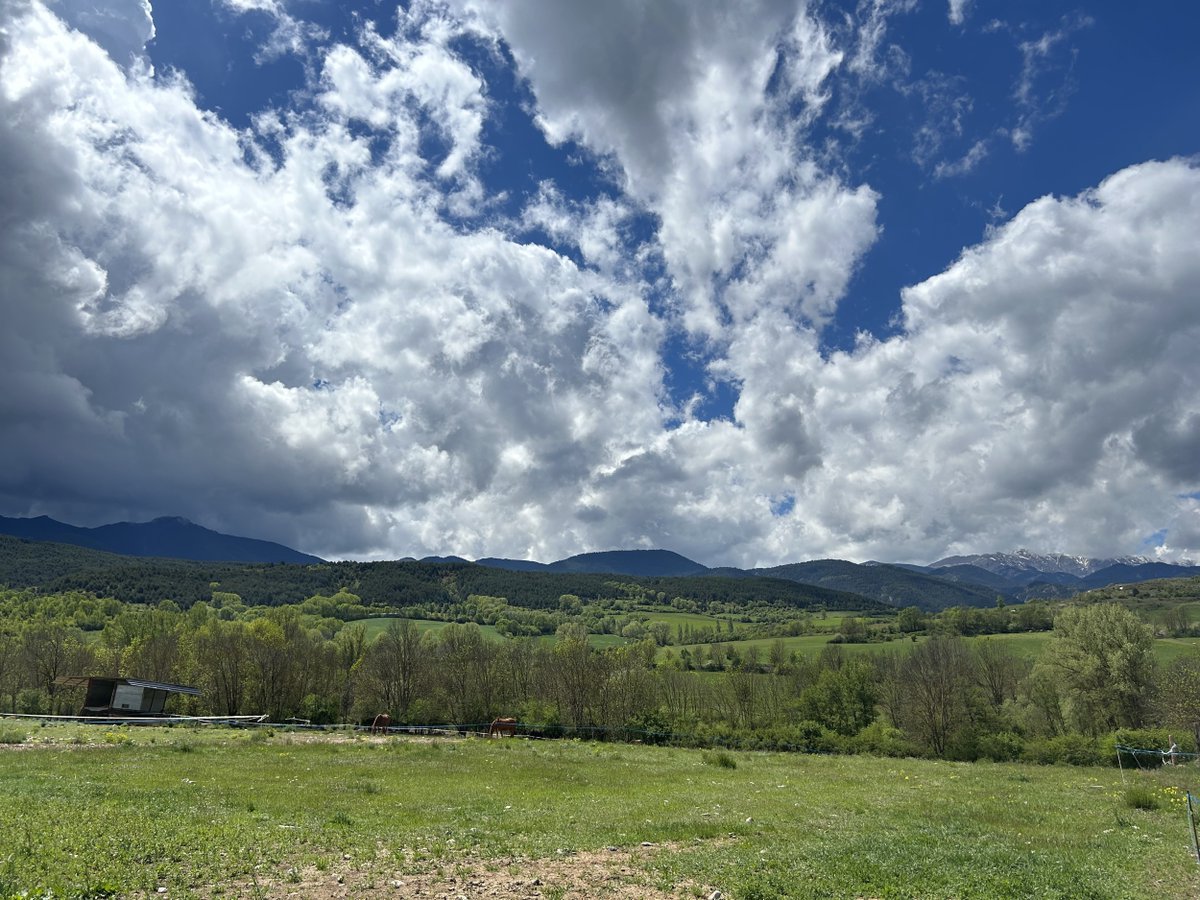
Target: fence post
1192, 826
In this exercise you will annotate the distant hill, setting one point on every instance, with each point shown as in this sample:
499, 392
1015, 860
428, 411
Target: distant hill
168, 537
965, 574
638, 563
1149, 596
383, 585
894, 585
1127, 574
642, 563
512, 565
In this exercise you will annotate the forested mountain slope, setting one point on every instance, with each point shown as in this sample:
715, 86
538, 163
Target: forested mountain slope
392, 585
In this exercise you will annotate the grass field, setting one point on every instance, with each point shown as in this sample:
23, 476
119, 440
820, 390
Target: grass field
1028, 644
675, 619
377, 626
211, 812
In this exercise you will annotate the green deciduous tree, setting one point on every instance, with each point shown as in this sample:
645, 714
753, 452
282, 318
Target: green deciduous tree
1178, 700
937, 676
842, 699
393, 671
1104, 658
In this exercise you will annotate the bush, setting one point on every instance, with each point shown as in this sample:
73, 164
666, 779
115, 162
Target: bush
1004, 746
649, 727
32, 702
12, 735
1154, 740
879, 739
1072, 749
720, 759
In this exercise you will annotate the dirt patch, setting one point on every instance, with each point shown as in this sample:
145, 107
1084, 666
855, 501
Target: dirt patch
616, 873
35, 744
362, 738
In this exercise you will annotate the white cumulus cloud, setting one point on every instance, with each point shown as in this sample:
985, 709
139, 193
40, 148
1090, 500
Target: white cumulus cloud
318, 330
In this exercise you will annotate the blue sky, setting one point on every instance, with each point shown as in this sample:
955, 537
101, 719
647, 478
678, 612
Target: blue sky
756, 283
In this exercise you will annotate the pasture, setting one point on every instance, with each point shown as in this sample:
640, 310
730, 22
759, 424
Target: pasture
376, 626
90, 812
1029, 644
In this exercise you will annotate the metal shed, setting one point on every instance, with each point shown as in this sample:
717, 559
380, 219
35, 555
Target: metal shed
117, 697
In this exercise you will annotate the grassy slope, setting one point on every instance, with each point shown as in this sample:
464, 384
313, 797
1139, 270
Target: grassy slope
235, 808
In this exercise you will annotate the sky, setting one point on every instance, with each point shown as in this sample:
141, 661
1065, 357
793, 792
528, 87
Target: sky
755, 282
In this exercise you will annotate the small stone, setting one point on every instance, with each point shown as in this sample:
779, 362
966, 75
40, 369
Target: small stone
536, 882
749, 819
611, 849
647, 844
161, 890
341, 879
715, 895
396, 883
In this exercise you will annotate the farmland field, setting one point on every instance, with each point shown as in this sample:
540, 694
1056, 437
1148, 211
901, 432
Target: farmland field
1023, 643
211, 812
376, 626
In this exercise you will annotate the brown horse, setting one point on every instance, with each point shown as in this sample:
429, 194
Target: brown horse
382, 723
503, 726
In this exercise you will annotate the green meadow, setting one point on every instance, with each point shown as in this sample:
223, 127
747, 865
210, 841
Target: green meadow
378, 625
1028, 644
98, 812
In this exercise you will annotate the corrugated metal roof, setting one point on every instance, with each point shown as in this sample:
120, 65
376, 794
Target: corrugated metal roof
81, 680
163, 686
72, 680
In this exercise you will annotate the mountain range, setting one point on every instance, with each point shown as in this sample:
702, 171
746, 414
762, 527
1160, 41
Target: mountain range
1022, 562
170, 537
953, 581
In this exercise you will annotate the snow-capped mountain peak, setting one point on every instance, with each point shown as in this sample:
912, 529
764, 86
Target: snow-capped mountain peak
1026, 560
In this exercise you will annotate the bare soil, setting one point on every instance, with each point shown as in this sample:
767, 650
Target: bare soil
615, 873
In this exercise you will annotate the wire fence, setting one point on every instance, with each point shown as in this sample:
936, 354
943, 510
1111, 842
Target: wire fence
519, 730
1146, 758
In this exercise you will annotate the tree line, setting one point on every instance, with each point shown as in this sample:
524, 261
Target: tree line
942, 696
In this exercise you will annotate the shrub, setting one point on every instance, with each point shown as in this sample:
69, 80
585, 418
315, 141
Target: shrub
880, 739
720, 759
1140, 796
116, 737
1072, 749
1004, 746
1155, 740
11, 735
32, 702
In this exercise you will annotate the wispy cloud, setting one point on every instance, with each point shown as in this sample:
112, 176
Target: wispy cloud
1046, 82
958, 11
963, 165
